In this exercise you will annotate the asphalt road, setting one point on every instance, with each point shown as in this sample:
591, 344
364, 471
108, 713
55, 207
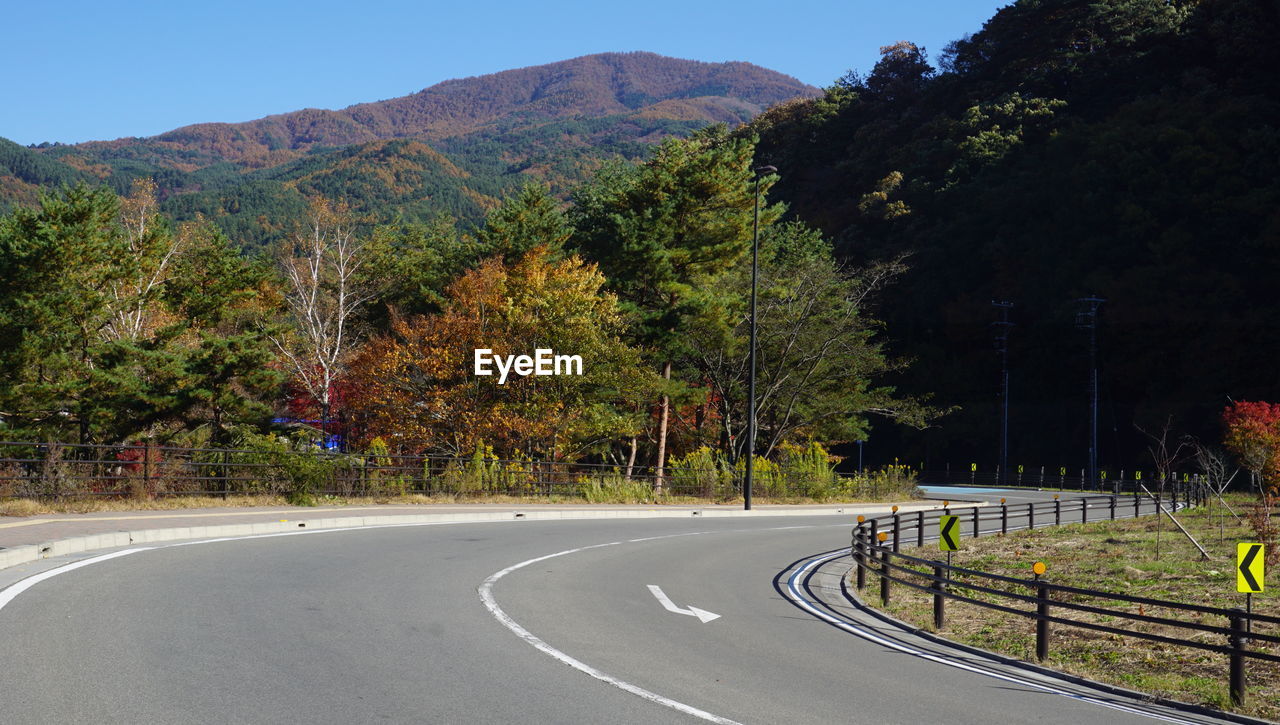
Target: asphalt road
391, 625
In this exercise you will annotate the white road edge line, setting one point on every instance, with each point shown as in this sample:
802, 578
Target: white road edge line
14, 590
801, 601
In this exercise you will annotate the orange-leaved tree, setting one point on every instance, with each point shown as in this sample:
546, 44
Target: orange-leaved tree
417, 386
1253, 434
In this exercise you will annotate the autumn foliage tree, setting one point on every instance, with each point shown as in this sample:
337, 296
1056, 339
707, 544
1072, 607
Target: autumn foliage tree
1253, 434
416, 387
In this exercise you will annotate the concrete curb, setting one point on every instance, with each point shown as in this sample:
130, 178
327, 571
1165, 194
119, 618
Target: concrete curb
34, 552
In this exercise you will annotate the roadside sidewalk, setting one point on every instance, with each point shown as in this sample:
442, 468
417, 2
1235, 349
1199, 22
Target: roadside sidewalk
30, 538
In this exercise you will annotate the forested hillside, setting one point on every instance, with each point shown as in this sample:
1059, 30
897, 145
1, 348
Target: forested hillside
453, 148
1128, 149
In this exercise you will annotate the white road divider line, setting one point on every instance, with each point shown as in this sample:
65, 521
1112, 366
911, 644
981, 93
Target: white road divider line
703, 615
486, 595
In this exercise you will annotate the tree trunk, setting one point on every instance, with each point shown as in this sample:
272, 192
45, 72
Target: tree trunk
663, 418
631, 458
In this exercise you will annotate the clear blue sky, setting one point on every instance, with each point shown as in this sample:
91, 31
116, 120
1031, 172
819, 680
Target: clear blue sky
78, 71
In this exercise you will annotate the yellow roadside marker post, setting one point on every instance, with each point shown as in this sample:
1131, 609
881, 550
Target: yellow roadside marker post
884, 569
1042, 613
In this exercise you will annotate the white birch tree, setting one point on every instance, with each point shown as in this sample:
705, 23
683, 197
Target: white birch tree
323, 293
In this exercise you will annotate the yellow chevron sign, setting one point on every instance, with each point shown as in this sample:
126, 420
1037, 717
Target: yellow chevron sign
948, 533
1250, 567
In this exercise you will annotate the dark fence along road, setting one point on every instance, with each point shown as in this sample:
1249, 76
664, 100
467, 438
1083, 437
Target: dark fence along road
876, 554
57, 470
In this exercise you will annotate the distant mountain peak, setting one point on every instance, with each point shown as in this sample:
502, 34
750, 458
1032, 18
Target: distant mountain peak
602, 84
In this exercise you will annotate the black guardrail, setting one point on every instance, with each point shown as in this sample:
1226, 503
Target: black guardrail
875, 551
1062, 478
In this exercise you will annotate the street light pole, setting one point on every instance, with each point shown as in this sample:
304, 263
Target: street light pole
1002, 346
751, 380
1087, 319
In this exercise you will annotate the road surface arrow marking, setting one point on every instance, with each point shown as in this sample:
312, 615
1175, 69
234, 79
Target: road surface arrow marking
703, 615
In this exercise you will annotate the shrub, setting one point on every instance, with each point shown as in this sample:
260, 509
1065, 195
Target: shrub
614, 488
702, 472
474, 475
292, 468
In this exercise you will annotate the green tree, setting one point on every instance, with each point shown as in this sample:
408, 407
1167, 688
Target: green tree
115, 328
528, 218
409, 265
818, 352
57, 263
662, 233
226, 305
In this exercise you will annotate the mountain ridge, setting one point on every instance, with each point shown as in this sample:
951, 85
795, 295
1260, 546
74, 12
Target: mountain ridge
468, 142
596, 85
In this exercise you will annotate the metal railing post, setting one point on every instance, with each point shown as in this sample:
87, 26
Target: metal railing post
975, 522
1042, 623
920, 528
897, 531
884, 576
1237, 640
1084, 510
1137, 502
1004, 519
1113, 507
1057, 512
1031, 515
939, 600
859, 539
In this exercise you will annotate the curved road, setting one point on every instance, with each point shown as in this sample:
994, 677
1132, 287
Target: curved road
391, 624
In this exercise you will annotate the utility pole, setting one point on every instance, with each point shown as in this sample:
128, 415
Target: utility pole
1001, 329
1087, 319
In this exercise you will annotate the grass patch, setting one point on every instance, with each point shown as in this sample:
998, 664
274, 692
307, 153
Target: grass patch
633, 493
1119, 557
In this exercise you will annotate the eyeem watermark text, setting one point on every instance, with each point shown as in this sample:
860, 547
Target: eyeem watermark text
543, 362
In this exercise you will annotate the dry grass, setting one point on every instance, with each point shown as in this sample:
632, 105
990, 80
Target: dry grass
32, 507
1116, 557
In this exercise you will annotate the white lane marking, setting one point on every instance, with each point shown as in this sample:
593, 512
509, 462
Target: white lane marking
14, 590
486, 596
797, 598
703, 615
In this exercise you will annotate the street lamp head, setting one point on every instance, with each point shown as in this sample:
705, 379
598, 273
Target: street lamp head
766, 170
